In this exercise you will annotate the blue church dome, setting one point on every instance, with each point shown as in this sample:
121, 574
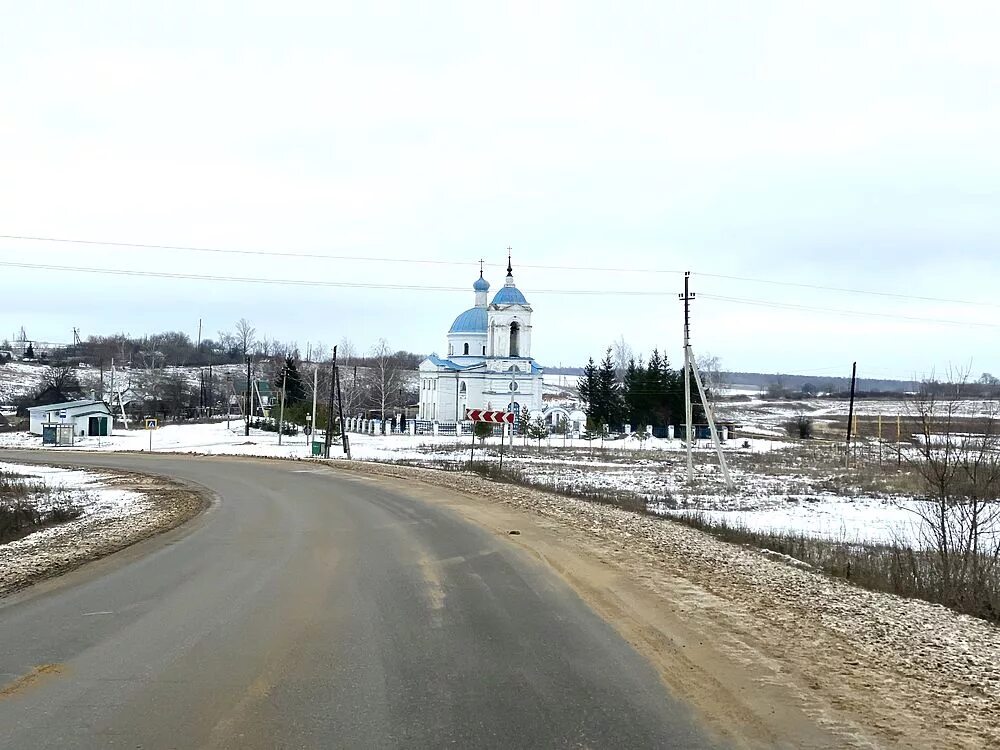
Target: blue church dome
509, 295
471, 321
481, 285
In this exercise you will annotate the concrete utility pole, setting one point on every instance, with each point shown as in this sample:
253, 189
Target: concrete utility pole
691, 367
312, 425
249, 400
688, 427
281, 414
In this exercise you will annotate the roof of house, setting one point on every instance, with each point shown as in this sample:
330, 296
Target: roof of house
66, 405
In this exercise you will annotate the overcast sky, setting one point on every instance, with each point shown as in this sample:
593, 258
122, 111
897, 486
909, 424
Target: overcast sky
850, 145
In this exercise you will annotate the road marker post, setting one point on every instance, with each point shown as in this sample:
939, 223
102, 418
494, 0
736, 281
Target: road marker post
489, 417
150, 426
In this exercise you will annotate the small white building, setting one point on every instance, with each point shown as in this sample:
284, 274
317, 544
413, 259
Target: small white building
88, 418
488, 364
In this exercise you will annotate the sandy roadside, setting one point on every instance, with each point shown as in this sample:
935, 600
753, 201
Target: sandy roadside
63, 548
771, 655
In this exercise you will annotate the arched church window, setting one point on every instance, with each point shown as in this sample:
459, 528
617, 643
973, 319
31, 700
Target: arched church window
466, 351
462, 388
515, 336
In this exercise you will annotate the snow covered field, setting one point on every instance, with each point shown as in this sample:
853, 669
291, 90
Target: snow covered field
791, 495
82, 489
112, 518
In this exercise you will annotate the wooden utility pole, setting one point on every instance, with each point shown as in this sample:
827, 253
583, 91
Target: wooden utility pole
340, 410
850, 413
329, 409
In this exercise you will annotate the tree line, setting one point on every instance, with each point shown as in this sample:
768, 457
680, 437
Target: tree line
634, 392
375, 383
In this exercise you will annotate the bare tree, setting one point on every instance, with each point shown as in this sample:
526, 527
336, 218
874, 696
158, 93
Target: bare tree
956, 454
623, 354
387, 377
245, 336
354, 384
710, 368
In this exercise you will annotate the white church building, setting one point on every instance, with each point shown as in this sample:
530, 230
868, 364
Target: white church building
488, 363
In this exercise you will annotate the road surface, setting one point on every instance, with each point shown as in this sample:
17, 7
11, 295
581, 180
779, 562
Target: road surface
318, 609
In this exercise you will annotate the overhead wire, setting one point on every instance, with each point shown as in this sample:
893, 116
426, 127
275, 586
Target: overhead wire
841, 311
176, 275
307, 282
547, 267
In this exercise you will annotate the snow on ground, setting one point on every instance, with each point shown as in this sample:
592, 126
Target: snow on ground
18, 379
787, 500
215, 437
770, 414
862, 519
83, 489
112, 519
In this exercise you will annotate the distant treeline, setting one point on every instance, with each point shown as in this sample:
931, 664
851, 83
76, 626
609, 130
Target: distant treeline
819, 383
178, 349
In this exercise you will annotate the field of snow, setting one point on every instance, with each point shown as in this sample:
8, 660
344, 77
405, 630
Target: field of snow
83, 489
769, 417
789, 494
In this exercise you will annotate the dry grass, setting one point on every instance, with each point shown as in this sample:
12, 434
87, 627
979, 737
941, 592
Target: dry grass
20, 513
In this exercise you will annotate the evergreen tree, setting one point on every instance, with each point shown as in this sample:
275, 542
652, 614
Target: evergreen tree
295, 391
657, 382
538, 430
609, 394
632, 395
587, 388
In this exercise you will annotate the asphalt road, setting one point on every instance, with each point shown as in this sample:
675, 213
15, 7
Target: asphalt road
312, 609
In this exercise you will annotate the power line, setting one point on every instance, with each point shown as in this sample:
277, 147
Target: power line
841, 311
545, 267
429, 288
305, 282
847, 290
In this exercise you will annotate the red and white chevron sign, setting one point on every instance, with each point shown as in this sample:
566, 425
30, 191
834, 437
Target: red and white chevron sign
492, 417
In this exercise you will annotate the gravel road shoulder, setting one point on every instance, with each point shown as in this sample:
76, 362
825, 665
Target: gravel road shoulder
770, 654
58, 549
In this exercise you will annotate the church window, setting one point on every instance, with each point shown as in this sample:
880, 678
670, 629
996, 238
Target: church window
451, 349
466, 351
462, 389
484, 351
515, 335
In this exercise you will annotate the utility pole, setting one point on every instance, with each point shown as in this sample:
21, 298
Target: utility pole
688, 418
312, 424
281, 414
340, 409
690, 366
850, 414
329, 408
249, 400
